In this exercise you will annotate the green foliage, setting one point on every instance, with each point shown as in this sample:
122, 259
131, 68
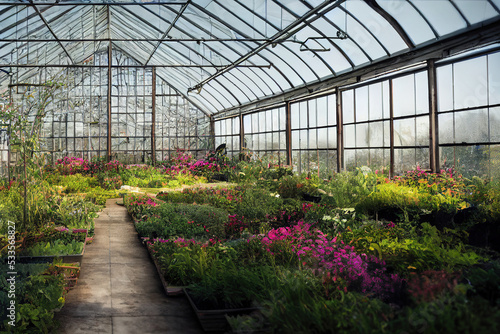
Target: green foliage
407, 250
57, 247
39, 291
185, 220
346, 189
449, 314
300, 306
485, 281
257, 204
232, 287
76, 183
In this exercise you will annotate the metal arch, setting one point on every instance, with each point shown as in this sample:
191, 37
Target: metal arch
467, 23
305, 63
494, 5
392, 21
165, 34
276, 37
187, 97
222, 56
51, 31
200, 56
103, 3
368, 30
229, 47
149, 24
268, 41
349, 60
265, 40
314, 52
434, 31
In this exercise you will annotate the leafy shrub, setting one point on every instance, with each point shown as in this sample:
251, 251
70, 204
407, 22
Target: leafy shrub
186, 220
57, 247
346, 189
39, 291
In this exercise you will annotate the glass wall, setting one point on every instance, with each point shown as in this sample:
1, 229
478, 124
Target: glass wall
227, 132
265, 134
314, 135
366, 118
469, 115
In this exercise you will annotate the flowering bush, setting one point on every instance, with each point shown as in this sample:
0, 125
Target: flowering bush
141, 206
336, 262
114, 182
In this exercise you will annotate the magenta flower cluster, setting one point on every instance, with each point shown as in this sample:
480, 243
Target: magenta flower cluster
337, 263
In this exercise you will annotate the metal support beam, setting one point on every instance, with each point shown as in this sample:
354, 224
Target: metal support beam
242, 134
281, 35
127, 66
110, 83
392, 21
288, 133
433, 117
340, 132
391, 128
212, 133
153, 117
454, 44
168, 30
51, 31
86, 3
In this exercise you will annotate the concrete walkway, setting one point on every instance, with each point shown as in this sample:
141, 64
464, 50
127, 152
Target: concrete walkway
119, 290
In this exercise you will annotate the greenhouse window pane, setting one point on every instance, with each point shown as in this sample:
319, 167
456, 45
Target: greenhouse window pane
375, 98
404, 96
348, 106
376, 134
476, 11
282, 118
349, 136
378, 26
465, 121
433, 10
312, 113
295, 140
295, 115
494, 78
332, 109
421, 93
362, 135
361, 102
322, 111
422, 135
470, 83
444, 78
313, 138
323, 138
303, 115
404, 132
411, 21
494, 117
332, 138
304, 142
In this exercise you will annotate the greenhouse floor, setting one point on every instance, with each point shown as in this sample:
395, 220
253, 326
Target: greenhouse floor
119, 290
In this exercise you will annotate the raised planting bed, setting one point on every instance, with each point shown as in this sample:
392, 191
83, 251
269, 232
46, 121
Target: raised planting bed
40, 250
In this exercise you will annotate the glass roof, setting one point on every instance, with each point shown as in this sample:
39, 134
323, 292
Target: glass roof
223, 54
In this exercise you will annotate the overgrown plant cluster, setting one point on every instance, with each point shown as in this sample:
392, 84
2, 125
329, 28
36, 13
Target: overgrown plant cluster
357, 253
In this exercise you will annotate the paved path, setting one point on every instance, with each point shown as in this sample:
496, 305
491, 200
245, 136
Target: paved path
119, 290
